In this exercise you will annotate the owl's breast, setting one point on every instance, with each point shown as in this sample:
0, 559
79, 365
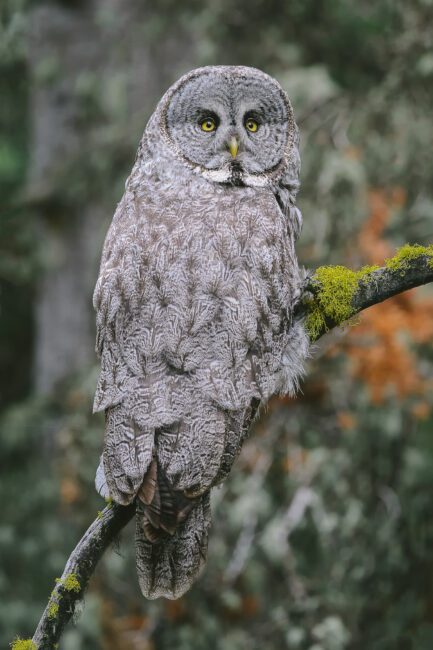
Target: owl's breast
197, 293
219, 281
241, 244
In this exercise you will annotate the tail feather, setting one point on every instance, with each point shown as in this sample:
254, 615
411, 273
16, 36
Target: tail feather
163, 507
101, 482
127, 454
169, 471
147, 490
169, 565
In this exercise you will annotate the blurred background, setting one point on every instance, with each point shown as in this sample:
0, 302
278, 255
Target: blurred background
323, 535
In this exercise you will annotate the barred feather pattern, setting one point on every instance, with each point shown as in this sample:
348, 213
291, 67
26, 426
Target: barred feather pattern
194, 303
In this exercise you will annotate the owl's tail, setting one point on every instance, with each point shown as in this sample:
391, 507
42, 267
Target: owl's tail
171, 545
171, 534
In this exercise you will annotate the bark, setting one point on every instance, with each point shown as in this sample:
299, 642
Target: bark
80, 566
387, 282
382, 284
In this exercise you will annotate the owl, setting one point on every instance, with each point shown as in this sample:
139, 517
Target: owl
195, 300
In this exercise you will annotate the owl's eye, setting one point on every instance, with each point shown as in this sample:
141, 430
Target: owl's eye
208, 124
251, 125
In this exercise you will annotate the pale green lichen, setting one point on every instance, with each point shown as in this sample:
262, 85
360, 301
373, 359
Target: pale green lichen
99, 514
333, 301
53, 610
406, 253
337, 285
23, 644
70, 582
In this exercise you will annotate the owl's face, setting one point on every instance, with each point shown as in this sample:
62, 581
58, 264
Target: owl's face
233, 123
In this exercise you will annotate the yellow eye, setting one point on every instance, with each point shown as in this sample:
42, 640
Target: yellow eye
251, 125
208, 124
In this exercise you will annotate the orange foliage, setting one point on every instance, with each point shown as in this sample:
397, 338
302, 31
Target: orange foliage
70, 491
295, 459
421, 410
250, 606
129, 632
353, 153
379, 347
381, 204
175, 610
346, 420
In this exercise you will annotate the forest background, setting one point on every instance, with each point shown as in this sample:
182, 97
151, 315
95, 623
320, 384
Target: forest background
323, 535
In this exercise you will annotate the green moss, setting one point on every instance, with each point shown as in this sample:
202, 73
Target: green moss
366, 270
23, 644
53, 610
333, 301
99, 514
337, 286
406, 253
70, 582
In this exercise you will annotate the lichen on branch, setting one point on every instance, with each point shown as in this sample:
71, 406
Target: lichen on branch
69, 589
336, 293
331, 303
70, 582
408, 252
23, 644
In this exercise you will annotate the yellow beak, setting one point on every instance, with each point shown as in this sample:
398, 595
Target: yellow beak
233, 147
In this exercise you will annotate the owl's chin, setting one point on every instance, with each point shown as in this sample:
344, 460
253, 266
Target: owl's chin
241, 172
235, 175
227, 175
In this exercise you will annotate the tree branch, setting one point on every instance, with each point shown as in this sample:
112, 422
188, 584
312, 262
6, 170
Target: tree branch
411, 267
390, 281
79, 568
335, 293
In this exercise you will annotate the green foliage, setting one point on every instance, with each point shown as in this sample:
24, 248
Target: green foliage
51, 507
18, 250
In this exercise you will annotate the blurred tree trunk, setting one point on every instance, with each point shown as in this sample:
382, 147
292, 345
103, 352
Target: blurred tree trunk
61, 47
97, 71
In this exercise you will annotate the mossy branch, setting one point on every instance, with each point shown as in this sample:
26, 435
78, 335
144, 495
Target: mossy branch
335, 293
332, 295
69, 589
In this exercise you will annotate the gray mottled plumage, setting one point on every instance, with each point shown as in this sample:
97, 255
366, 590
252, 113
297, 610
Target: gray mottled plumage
194, 304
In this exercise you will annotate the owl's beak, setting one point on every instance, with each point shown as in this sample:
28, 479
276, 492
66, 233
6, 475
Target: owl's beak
233, 144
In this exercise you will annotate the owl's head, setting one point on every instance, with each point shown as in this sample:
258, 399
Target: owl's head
232, 124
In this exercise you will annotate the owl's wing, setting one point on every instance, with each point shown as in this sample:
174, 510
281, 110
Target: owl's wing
128, 447
286, 202
169, 565
287, 189
152, 408
146, 453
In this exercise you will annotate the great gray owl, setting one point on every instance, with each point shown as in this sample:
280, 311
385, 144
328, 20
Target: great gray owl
194, 303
